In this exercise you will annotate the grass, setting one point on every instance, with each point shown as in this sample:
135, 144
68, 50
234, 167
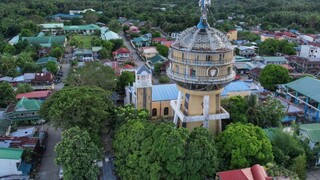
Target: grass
85, 41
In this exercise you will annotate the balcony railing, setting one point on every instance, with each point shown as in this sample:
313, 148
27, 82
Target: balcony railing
200, 79
201, 62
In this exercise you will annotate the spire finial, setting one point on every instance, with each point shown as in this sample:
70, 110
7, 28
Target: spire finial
203, 19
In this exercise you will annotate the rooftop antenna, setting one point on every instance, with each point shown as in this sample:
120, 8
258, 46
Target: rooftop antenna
204, 10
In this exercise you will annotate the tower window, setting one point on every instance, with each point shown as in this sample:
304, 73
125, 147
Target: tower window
229, 70
166, 111
177, 69
192, 72
208, 58
182, 56
154, 112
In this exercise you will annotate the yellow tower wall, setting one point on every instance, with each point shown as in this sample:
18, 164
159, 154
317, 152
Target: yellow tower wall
144, 98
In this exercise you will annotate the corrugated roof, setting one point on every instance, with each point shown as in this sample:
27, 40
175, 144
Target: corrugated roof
82, 27
275, 59
164, 92
307, 86
157, 58
34, 94
29, 104
10, 153
45, 40
235, 86
313, 130
110, 35
45, 60
143, 68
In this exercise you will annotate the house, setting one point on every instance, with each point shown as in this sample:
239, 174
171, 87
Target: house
309, 51
72, 12
28, 77
6, 79
83, 55
47, 41
154, 60
88, 29
36, 95
10, 161
244, 67
133, 29
255, 73
25, 110
310, 133
292, 111
274, 60
121, 55
256, 172
52, 28
232, 35
140, 42
304, 65
148, 52
264, 37
27, 132
246, 51
44, 60
305, 37
108, 35
42, 79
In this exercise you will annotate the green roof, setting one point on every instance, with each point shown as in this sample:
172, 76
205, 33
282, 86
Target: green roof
140, 39
156, 58
45, 60
82, 27
10, 153
306, 86
270, 132
29, 104
46, 40
275, 59
313, 131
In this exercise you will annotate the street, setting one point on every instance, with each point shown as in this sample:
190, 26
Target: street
134, 53
48, 169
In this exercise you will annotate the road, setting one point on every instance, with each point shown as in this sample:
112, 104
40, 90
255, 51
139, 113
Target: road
134, 53
48, 169
108, 169
65, 70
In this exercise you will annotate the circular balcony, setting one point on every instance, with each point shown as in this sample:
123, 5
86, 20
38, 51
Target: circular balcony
201, 63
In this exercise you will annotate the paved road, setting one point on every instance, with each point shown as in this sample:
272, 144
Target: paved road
65, 70
48, 169
108, 170
135, 56
313, 175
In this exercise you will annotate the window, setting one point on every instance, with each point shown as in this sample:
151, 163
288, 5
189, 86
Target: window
154, 112
21, 114
208, 58
177, 69
184, 125
182, 56
192, 72
229, 70
166, 111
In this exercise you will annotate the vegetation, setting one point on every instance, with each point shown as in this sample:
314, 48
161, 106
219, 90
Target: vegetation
24, 88
7, 95
272, 75
78, 155
272, 46
164, 79
93, 73
52, 67
243, 145
126, 79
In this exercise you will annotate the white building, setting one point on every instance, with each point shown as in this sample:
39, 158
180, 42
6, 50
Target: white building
246, 51
309, 51
53, 29
306, 38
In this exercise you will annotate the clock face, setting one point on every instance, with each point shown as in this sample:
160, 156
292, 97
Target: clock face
212, 71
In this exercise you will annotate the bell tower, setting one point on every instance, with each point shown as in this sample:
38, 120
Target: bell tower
201, 65
143, 88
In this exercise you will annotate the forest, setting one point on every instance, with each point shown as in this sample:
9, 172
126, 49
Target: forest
302, 15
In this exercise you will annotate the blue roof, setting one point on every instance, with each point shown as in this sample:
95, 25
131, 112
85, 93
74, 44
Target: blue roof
67, 16
164, 92
235, 86
25, 168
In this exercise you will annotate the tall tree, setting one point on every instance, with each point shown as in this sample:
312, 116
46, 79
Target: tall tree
52, 67
93, 73
7, 95
126, 79
87, 107
272, 75
56, 52
24, 88
243, 145
237, 106
78, 155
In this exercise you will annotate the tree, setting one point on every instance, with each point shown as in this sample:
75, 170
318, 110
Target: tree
90, 17
25, 33
164, 79
126, 79
117, 43
127, 113
243, 145
56, 52
24, 88
52, 67
93, 73
7, 95
272, 75
77, 155
156, 34
86, 106
104, 53
163, 50
9, 49
114, 25
237, 106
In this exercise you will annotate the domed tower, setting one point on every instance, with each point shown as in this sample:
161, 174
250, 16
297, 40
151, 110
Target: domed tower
201, 65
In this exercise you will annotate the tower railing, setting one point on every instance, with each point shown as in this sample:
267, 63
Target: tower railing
201, 62
200, 79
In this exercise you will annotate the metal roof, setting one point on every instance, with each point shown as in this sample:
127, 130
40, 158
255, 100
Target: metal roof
313, 131
164, 92
10, 153
306, 86
235, 86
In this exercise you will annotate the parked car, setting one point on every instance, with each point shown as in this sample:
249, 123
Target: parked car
60, 173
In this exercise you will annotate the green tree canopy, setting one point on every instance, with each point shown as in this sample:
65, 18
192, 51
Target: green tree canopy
86, 106
126, 79
273, 75
93, 73
7, 95
90, 17
163, 50
24, 88
237, 106
52, 67
104, 53
25, 33
57, 52
243, 145
77, 155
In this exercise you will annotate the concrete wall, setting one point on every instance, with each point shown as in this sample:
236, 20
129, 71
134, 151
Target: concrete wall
160, 106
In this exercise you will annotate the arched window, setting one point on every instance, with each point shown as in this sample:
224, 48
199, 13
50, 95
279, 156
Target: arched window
154, 112
166, 111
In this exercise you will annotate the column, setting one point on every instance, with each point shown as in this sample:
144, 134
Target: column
175, 119
206, 111
317, 114
306, 106
296, 99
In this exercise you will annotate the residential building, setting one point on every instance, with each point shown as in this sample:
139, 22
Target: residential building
47, 41
244, 67
141, 42
292, 111
247, 51
106, 34
274, 60
5, 125
256, 172
72, 12
61, 16
154, 60
309, 51
10, 161
26, 132
44, 60
52, 28
121, 55
42, 81
264, 37
6, 79
25, 110
305, 37
88, 29
83, 55
304, 65
148, 52
133, 29
232, 35
311, 133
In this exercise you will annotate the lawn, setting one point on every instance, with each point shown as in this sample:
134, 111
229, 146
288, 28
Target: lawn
85, 41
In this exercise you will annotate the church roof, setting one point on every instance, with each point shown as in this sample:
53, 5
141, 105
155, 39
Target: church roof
164, 92
143, 68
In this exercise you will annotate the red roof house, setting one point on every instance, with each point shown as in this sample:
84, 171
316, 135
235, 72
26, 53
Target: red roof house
40, 95
256, 172
121, 54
